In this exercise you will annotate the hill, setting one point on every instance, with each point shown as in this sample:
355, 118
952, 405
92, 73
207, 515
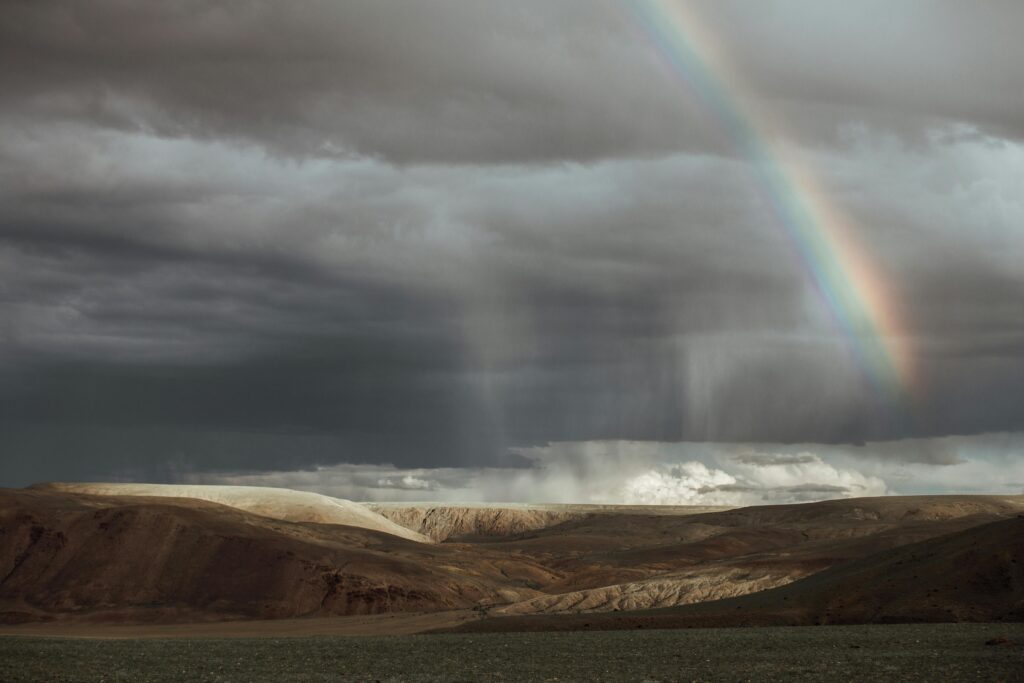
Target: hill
133, 558
443, 522
286, 504
68, 555
972, 575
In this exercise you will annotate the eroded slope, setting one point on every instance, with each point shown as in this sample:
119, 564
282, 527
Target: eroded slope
972, 575
286, 504
165, 558
176, 558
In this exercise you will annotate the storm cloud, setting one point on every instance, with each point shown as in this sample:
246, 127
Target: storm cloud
251, 237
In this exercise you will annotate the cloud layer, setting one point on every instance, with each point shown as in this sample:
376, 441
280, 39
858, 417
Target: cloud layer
617, 472
249, 237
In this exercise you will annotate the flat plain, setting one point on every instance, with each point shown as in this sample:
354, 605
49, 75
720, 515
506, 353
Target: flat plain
918, 652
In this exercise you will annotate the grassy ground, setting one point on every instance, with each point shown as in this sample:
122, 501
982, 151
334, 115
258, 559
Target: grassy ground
947, 652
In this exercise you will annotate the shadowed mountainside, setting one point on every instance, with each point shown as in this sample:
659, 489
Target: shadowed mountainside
67, 555
174, 558
972, 575
443, 522
286, 504
636, 561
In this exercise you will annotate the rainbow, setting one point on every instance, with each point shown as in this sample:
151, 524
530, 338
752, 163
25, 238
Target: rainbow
854, 293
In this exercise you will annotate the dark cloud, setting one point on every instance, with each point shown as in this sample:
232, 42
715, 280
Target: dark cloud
832, 55
250, 237
452, 81
728, 488
818, 488
773, 459
780, 494
461, 81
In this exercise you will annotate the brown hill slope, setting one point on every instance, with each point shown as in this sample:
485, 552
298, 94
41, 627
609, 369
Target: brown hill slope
165, 558
972, 575
286, 504
641, 560
443, 522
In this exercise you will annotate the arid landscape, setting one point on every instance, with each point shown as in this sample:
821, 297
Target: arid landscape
552, 340
148, 559
163, 582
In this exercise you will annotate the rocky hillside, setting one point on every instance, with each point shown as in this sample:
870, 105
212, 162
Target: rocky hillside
444, 522
286, 504
157, 555
972, 575
64, 555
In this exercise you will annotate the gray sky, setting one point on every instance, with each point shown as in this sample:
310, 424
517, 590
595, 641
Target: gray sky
245, 239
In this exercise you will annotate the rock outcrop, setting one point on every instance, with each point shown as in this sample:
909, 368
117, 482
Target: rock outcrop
444, 522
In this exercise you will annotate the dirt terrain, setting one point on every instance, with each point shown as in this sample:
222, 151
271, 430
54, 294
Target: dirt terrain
972, 575
478, 522
286, 504
165, 559
163, 556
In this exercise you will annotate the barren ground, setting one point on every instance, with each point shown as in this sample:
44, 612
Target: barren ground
944, 652
165, 561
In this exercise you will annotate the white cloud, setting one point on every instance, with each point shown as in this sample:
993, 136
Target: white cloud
773, 479
407, 482
686, 484
615, 472
642, 472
